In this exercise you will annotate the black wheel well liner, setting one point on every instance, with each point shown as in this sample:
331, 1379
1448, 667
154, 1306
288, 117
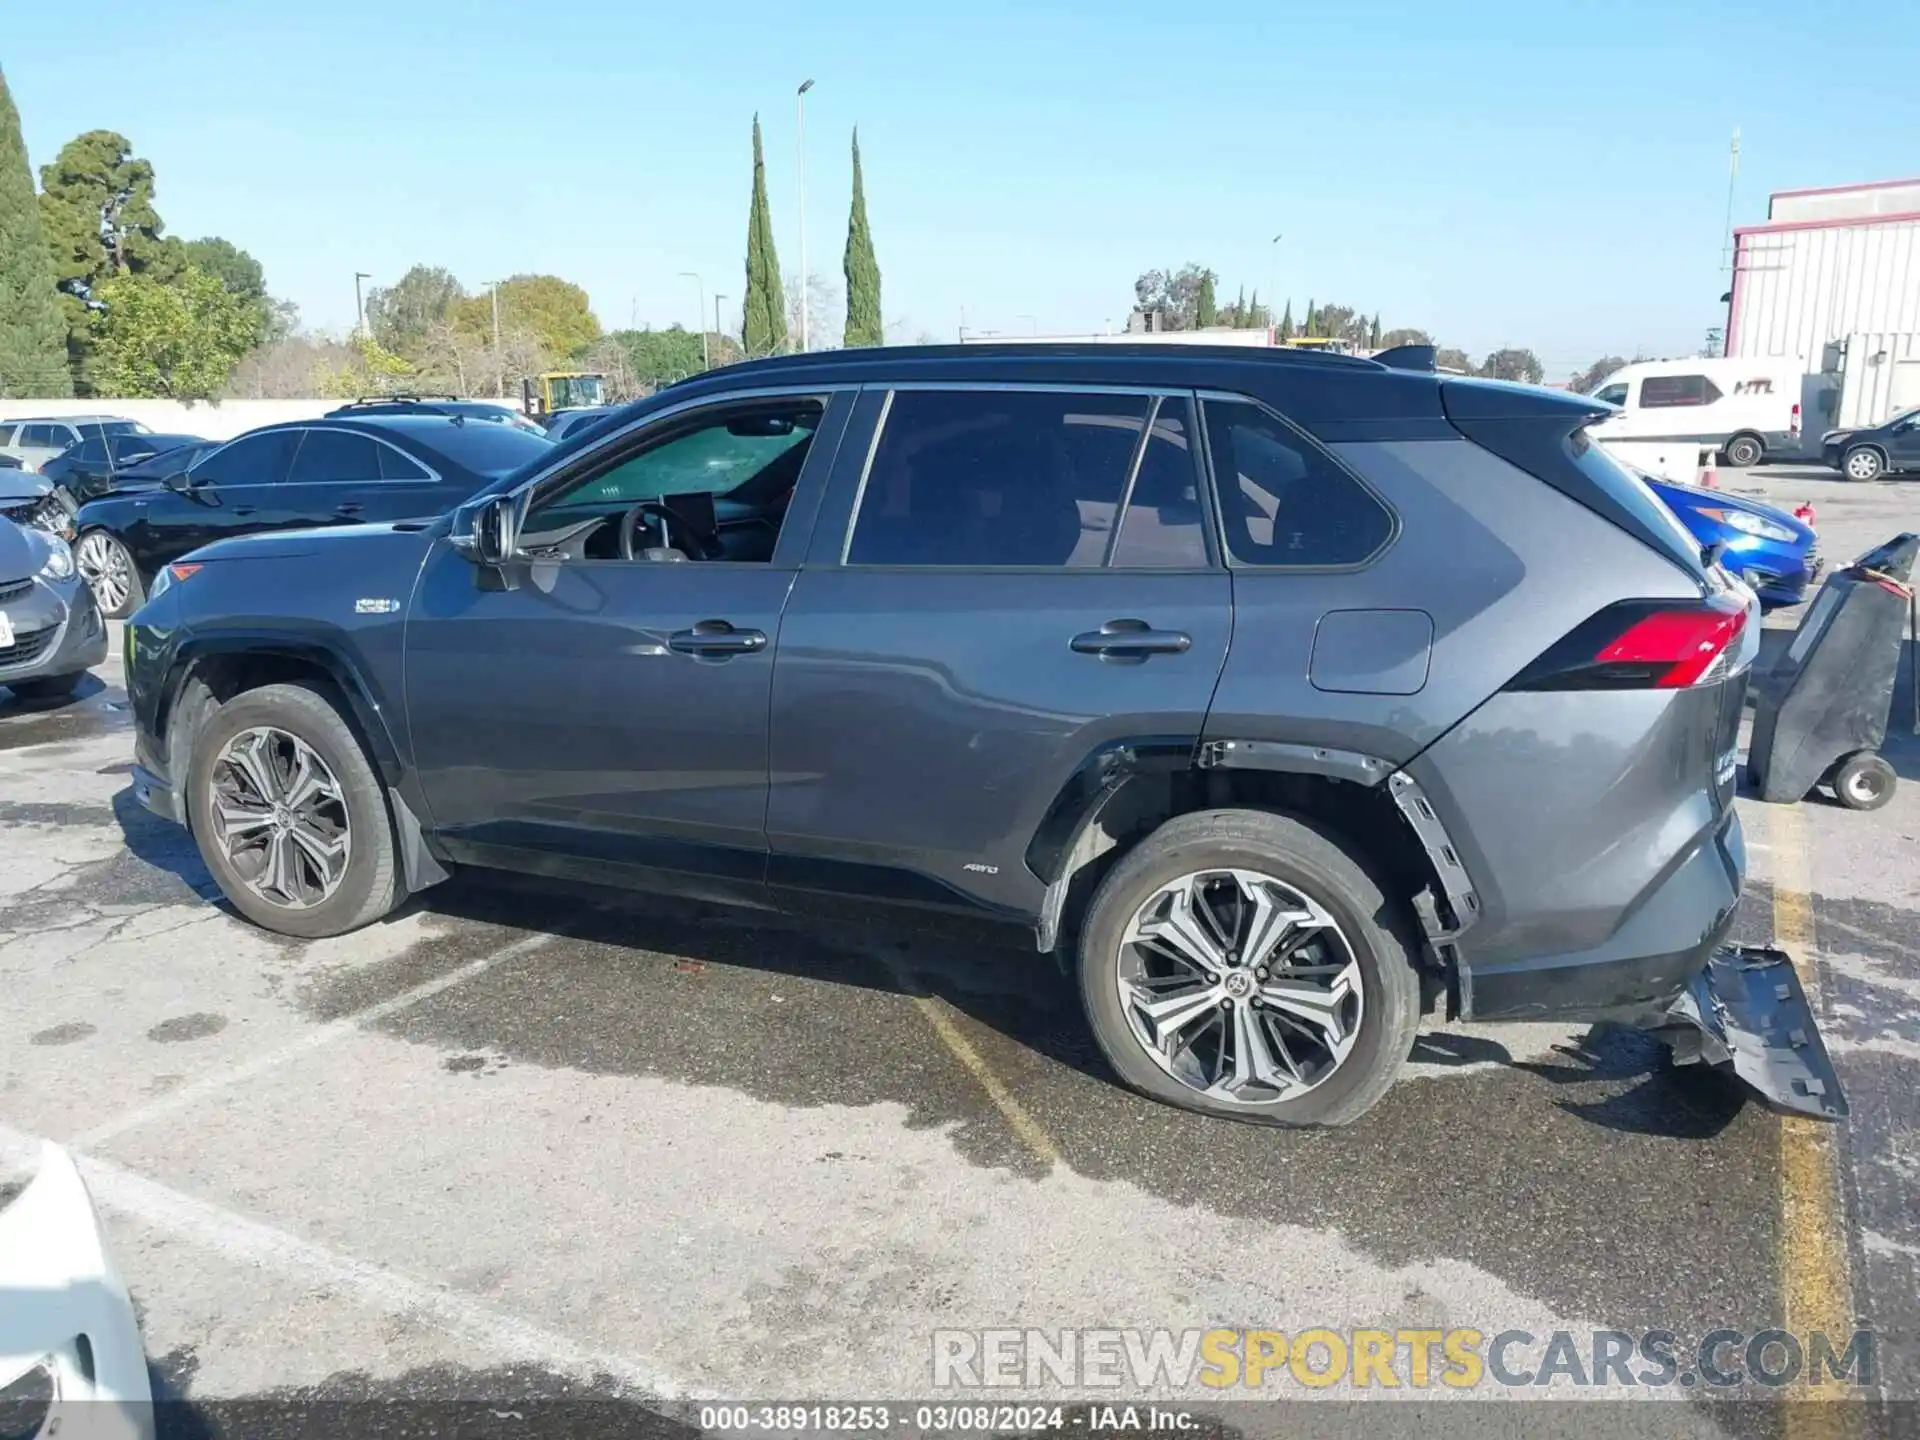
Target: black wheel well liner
1127, 788
223, 669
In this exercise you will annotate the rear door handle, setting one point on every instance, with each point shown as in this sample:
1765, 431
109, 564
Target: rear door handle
349, 507
243, 509
1127, 638
716, 637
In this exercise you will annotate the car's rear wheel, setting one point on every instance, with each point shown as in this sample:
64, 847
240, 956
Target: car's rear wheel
1745, 450
1244, 964
289, 815
46, 687
110, 573
1862, 462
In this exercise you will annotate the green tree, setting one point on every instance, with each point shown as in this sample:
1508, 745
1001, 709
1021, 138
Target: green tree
553, 312
33, 333
1454, 360
1395, 338
239, 272
763, 322
862, 270
1286, 322
1312, 327
176, 339
97, 208
402, 316
1373, 339
1206, 311
1256, 317
1513, 364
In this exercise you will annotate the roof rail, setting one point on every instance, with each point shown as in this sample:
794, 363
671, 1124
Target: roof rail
403, 399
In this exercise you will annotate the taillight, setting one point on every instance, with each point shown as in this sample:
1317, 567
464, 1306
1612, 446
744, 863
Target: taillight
1642, 645
1793, 425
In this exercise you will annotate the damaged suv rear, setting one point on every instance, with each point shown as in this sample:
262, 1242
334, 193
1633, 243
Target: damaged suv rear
1282, 696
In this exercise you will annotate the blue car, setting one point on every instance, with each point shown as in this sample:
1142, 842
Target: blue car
1776, 554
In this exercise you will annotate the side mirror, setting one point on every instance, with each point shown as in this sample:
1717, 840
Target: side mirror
488, 531
180, 481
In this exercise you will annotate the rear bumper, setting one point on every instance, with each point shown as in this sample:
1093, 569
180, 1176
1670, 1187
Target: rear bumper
1639, 971
155, 794
1746, 1011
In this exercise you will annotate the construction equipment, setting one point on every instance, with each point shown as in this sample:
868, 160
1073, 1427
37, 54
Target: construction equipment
552, 390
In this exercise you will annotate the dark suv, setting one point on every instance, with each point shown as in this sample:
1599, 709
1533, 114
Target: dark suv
1278, 694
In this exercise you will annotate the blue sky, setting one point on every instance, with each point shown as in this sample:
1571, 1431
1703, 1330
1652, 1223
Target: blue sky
1535, 174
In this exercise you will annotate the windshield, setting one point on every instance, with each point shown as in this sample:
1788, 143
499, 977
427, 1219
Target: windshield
120, 427
570, 391
489, 450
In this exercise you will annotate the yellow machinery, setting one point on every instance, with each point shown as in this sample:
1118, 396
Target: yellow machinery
562, 390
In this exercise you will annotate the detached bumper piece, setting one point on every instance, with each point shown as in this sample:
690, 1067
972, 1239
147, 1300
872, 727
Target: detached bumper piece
1746, 1010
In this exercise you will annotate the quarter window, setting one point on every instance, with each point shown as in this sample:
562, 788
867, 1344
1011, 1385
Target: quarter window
998, 477
1283, 500
1665, 392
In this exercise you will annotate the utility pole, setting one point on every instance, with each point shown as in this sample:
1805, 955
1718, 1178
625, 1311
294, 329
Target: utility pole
800, 115
717, 298
1273, 289
359, 305
700, 314
1727, 258
499, 360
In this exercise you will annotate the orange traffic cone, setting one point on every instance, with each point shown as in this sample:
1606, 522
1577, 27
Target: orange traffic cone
1709, 477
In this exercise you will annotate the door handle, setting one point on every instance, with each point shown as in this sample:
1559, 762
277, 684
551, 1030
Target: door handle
349, 507
1129, 638
243, 509
716, 637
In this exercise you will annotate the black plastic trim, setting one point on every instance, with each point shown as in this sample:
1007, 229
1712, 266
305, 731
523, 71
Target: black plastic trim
1093, 782
1368, 770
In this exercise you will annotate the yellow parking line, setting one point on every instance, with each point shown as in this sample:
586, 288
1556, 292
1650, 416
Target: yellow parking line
1816, 1293
1029, 1130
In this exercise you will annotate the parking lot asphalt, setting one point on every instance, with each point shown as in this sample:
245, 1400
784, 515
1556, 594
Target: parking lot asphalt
518, 1137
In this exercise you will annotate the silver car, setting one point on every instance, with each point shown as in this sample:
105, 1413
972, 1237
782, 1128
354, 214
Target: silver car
51, 632
35, 439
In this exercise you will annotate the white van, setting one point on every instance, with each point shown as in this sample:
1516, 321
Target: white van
1753, 410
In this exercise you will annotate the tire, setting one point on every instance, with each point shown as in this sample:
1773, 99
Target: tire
367, 885
1744, 451
110, 573
1863, 462
1863, 781
1370, 936
46, 687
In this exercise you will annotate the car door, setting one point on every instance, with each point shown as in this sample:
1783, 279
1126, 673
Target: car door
233, 491
1010, 588
1903, 444
580, 712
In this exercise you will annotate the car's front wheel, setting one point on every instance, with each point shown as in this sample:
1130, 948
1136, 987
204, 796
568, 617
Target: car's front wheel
289, 815
1862, 462
110, 573
1245, 964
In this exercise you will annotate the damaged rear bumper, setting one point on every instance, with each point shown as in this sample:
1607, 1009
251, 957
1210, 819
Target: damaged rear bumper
1747, 1011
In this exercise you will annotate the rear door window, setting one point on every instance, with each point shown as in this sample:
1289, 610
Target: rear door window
1284, 501
1027, 478
1667, 392
335, 457
37, 437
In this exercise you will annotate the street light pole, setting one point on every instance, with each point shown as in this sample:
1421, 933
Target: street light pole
359, 305
800, 115
499, 360
1273, 289
700, 316
717, 298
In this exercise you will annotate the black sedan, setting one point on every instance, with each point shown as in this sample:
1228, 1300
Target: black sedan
1889, 448
286, 477
94, 466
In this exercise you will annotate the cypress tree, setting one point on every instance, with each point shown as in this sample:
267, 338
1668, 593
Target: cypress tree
1286, 323
1206, 310
1253, 320
33, 332
763, 313
862, 270
1239, 311
1312, 321
1374, 339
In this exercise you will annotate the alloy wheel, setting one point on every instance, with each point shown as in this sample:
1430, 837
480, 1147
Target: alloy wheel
280, 818
1240, 986
106, 568
1863, 465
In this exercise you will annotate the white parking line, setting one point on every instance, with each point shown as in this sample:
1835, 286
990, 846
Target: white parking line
333, 1030
240, 1238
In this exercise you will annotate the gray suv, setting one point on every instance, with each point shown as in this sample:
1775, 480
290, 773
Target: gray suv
1278, 696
